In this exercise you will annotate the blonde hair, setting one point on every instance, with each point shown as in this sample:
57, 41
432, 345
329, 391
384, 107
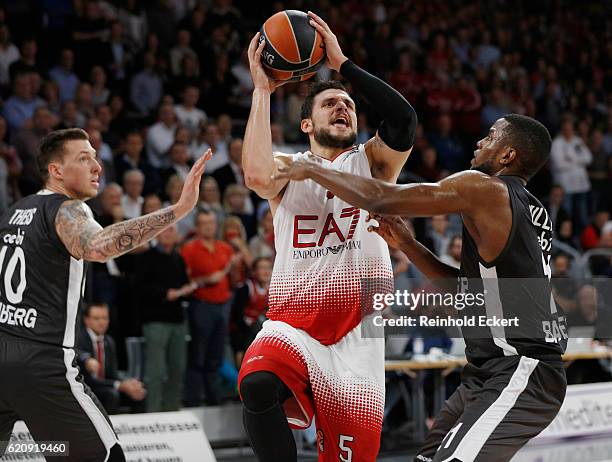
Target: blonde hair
233, 220
233, 189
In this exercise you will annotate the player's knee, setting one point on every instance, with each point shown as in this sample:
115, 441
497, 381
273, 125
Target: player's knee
260, 391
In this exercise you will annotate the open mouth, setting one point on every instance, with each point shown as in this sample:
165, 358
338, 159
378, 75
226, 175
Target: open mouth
341, 122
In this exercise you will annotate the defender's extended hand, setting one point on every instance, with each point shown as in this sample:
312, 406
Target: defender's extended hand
297, 170
392, 229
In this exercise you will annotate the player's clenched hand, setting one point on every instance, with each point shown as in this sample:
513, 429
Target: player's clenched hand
191, 188
259, 76
392, 229
335, 57
297, 170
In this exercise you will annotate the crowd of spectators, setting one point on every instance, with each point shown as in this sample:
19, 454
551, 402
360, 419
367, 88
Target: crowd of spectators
156, 83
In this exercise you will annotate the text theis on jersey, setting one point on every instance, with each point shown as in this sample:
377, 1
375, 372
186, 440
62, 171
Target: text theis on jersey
13, 255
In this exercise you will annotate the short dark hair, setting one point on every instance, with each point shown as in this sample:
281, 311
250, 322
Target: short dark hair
532, 141
258, 260
87, 307
315, 89
52, 147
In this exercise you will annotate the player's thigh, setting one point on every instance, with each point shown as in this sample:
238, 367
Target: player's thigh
500, 417
58, 407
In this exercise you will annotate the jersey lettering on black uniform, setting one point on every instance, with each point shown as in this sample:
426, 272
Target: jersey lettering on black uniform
40, 282
515, 285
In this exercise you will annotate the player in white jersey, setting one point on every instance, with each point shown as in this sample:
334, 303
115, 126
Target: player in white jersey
311, 357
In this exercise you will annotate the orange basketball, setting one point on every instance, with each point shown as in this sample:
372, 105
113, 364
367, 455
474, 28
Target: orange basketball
294, 49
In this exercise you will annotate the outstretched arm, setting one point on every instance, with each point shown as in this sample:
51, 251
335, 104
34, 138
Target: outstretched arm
258, 161
85, 239
394, 230
458, 193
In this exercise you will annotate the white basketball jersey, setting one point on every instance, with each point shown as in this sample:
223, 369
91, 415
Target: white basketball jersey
328, 266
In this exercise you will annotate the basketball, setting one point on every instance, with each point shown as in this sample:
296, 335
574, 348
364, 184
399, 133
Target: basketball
294, 49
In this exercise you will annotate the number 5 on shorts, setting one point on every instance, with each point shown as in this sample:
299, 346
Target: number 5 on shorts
342, 445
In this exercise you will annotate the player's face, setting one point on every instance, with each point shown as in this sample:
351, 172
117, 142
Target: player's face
80, 170
489, 149
334, 120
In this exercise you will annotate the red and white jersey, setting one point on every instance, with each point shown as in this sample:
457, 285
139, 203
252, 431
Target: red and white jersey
328, 266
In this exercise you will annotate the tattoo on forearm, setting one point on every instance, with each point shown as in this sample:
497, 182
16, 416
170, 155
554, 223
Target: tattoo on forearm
85, 238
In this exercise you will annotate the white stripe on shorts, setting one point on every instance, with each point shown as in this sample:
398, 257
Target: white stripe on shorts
475, 438
104, 429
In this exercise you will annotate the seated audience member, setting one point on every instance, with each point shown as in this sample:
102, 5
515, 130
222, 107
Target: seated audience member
233, 233
131, 202
97, 357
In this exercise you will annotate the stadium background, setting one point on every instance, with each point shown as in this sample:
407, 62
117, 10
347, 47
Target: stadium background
119, 69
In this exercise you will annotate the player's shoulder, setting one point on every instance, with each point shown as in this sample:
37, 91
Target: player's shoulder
476, 184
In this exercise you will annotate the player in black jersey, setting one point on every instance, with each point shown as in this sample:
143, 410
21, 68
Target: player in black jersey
514, 382
45, 239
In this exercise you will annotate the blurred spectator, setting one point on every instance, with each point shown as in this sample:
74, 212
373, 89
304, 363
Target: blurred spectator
278, 139
235, 200
84, 100
452, 256
162, 282
161, 136
598, 171
97, 357
27, 62
210, 137
133, 20
70, 116
88, 33
19, 108
438, 235
209, 262
210, 198
64, 76
569, 158
231, 172
187, 113
495, 108
487, 53
10, 170
131, 157
179, 158
233, 233
131, 201
146, 87
262, 245
99, 92
565, 233
180, 50
590, 237
249, 307
451, 155
555, 208
428, 168
26, 143
51, 96
225, 125
119, 53
9, 53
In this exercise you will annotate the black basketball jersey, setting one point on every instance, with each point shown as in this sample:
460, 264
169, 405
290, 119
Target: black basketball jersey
40, 282
515, 286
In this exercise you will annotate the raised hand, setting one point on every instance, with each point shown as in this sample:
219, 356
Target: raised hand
335, 57
259, 76
191, 188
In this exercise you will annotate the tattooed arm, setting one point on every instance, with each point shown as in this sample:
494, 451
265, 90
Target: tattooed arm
85, 239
